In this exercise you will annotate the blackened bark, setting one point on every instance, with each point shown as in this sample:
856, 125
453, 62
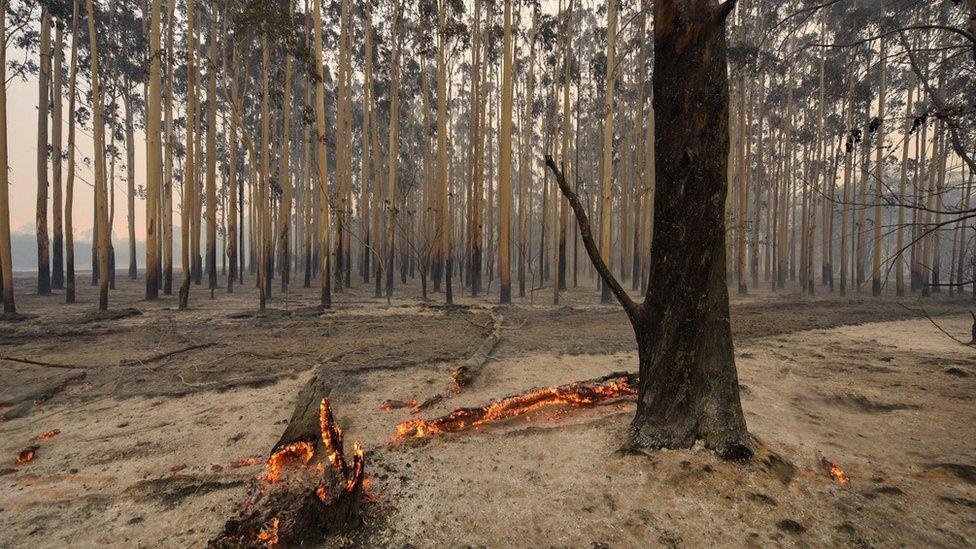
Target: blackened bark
689, 388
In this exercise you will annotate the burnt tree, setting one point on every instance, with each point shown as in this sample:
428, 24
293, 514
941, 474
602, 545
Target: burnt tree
688, 389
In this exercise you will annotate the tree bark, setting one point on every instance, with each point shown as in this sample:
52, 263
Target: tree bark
689, 389
43, 91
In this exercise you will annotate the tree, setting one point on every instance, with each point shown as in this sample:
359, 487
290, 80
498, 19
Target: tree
43, 101
606, 185
320, 155
101, 191
154, 151
189, 169
689, 388
6, 261
505, 163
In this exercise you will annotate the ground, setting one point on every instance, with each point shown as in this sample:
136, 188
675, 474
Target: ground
164, 416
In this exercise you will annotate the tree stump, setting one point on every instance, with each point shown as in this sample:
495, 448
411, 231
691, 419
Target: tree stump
309, 490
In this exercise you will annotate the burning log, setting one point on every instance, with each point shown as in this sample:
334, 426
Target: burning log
309, 489
578, 393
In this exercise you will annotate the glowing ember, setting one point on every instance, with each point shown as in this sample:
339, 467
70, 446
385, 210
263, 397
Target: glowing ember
271, 534
322, 493
390, 405
300, 450
332, 437
26, 454
835, 472
49, 434
579, 393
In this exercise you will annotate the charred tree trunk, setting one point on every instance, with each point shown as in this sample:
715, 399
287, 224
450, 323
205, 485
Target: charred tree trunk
688, 387
309, 490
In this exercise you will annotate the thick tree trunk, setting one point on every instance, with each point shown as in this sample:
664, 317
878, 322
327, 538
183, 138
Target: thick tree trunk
689, 389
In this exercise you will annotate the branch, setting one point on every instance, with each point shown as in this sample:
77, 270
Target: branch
591, 248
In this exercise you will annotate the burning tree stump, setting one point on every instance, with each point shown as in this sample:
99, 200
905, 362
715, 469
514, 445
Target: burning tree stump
309, 490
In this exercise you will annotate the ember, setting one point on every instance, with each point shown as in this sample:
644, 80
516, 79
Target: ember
270, 535
579, 393
26, 454
49, 434
834, 471
300, 450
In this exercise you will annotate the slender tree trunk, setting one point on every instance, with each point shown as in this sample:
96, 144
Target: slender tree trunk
43, 102
505, 164
101, 192
879, 180
189, 165
70, 181
606, 187
525, 170
322, 163
170, 136
57, 244
6, 259
445, 221
154, 153
211, 190
393, 151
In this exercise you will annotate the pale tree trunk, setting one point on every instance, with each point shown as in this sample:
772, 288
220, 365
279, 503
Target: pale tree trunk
284, 179
689, 389
444, 220
57, 244
392, 197
902, 190
211, 190
505, 164
476, 118
264, 206
322, 163
606, 186
525, 170
154, 152
559, 282
130, 176
232, 177
879, 180
101, 193
43, 91
70, 181
189, 165
6, 260
167, 190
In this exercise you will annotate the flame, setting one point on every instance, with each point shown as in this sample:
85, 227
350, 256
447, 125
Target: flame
49, 434
332, 436
26, 455
300, 450
579, 393
270, 535
322, 493
835, 471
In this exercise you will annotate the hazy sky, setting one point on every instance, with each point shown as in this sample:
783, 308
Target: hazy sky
22, 152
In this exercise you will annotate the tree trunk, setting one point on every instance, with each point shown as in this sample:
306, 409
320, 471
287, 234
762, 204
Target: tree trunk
154, 153
689, 388
57, 244
6, 265
189, 169
43, 91
101, 194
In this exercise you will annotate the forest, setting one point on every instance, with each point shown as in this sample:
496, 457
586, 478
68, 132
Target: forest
633, 273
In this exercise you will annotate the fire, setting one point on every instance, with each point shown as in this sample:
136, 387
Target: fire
322, 493
49, 434
835, 471
579, 393
332, 437
300, 450
26, 455
270, 535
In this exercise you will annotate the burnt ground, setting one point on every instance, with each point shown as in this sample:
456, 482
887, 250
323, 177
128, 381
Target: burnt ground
164, 415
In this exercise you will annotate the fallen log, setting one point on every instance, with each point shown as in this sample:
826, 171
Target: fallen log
309, 490
578, 393
469, 369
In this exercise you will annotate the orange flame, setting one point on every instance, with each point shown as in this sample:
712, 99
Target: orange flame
835, 471
26, 455
332, 437
580, 393
270, 535
49, 434
300, 450
322, 493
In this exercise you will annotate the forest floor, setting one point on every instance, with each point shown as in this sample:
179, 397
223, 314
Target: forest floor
163, 417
